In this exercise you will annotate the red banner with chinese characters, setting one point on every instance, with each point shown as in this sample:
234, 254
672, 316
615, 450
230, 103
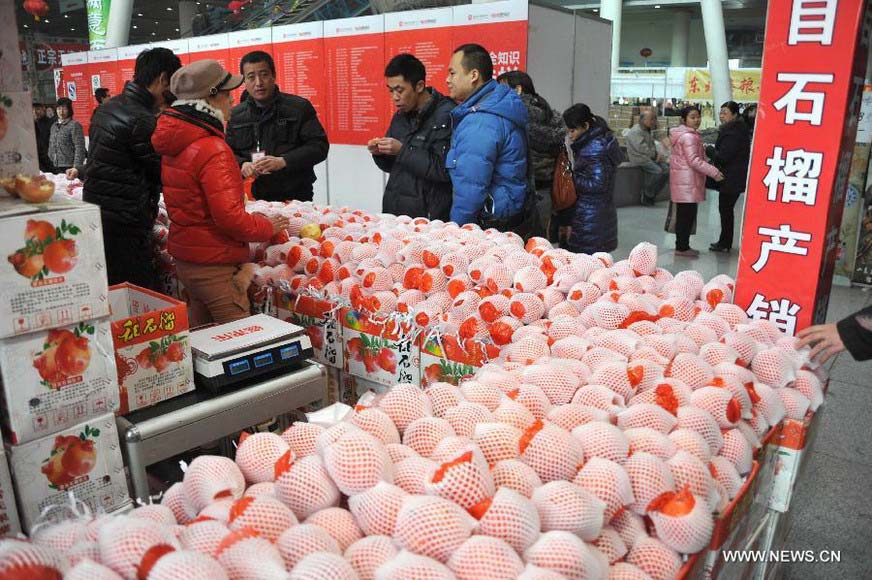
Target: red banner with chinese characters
355, 50
298, 50
241, 43
214, 46
47, 55
500, 27
814, 59
103, 70
428, 35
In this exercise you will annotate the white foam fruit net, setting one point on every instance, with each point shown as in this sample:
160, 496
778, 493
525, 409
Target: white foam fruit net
571, 347
609, 482
515, 475
404, 403
647, 415
464, 479
567, 554
186, 565
625, 571
485, 557
645, 440
738, 450
643, 259
432, 526
158, 513
655, 558
424, 434
218, 510
368, 554
497, 441
691, 369
306, 487
267, 516
397, 452
84, 550
557, 382
510, 517
378, 424
203, 536
614, 376
20, 559
768, 404
795, 403
484, 394
411, 474
774, 367
572, 415
61, 536
357, 462
527, 350
611, 545
465, 416
87, 570
689, 471
568, 507
376, 509
532, 572
301, 438
723, 470
533, 398
442, 397
210, 477
691, 442
700, 421
515, 414
126, 540
339, 523
809, 385
552, 452
720, 404
526, 307
245, 555
299, 541
630, 526
650, 477
321, 566
682, 520
598, 397
603, 440
409, 566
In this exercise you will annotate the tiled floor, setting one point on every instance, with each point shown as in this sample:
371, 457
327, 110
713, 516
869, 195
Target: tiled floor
832, 506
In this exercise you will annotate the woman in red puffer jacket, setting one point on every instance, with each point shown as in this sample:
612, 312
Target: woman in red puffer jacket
202, 184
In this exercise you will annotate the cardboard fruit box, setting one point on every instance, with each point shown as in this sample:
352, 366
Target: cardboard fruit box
54, 271
54, 379
9, 524
317, 317
450, 360
84, 459
380, 351
152, 347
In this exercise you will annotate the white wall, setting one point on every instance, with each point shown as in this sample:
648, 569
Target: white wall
592, 70
655, 32
550, 39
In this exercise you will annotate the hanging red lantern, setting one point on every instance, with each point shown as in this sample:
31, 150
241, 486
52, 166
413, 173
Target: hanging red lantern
236, 5
36, 8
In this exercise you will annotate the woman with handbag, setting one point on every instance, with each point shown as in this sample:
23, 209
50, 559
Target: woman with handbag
595, 158
687, 172
731, 154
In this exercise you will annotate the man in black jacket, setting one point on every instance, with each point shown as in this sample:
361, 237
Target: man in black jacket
276, 137
414, 150
42, 126
122, 175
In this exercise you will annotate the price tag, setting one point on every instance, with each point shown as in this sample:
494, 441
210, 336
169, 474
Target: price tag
257, 156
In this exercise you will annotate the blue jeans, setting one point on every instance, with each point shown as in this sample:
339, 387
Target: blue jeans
655, 175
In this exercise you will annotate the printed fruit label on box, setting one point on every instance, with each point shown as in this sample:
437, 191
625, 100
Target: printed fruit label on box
9, 524
449, 360
152, 347
54, 379
54, 271
85, 460
352, 388
383, 352
321, 325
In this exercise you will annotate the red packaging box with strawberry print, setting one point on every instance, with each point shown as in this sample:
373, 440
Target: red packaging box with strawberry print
152, 347
9, 524
448, 359
54, 379
381, 351
84, 459
319, 320
54, 271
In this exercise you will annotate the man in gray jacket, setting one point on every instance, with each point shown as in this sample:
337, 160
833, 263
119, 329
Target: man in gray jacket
642, 153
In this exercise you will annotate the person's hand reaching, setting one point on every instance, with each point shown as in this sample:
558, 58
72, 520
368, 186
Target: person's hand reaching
824, 340
279, 222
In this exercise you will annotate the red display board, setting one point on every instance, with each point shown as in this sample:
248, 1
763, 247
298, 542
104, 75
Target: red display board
427, 34
179, 47
47, 55
214, 46
355, 50
500, 27
814, 59
76, 86
127, 62
104, 73
298, 50
241, 43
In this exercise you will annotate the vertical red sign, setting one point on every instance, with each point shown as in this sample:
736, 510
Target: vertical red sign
179, 47
298, 50
77, 86
214, 46
241, 43
127, 62
355, 50
500, 27
427, 35
103, 68
814, 57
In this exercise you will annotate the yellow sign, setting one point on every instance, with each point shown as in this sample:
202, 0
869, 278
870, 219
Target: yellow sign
698, 84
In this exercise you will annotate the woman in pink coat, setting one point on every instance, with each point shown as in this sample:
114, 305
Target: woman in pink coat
687, 172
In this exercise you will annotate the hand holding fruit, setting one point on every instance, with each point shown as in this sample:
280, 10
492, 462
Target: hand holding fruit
278, 222
248, 170
268, 164
389, 146
372, 146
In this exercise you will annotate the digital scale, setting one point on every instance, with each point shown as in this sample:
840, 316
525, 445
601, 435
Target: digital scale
234, 353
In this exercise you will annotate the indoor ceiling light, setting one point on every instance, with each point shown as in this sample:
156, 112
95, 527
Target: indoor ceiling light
139, 14
177, 29
47, 21
135, 27
154, 33
657, 6
169, 8
26, 26
66, 15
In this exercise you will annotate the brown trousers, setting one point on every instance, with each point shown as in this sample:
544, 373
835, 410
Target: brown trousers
215, 293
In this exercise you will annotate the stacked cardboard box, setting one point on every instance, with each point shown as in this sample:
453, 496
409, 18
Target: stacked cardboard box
57, 364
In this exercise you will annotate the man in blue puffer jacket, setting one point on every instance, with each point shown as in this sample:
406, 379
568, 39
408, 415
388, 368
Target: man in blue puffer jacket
487, 161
